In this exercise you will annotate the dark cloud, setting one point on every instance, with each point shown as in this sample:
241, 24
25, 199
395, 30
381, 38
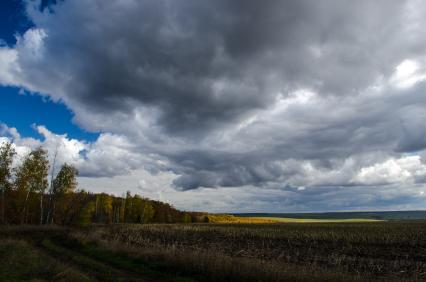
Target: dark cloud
235, 93
206, 63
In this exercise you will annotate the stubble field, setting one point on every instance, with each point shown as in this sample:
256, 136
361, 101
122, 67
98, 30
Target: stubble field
355, 251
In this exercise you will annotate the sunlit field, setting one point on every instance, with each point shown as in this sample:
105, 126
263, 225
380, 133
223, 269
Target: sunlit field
311, 220
263, 219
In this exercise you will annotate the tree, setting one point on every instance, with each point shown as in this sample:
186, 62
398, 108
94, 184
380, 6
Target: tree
187, 218
148, 212
86, 214
137, 209
122, 209
49, 217
75, 208
128, 208
64, 182
31, 177
7, 152
40, 172
104, 208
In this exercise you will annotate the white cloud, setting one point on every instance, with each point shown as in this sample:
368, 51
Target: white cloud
407, 74
393, 171
109, 155
9, 67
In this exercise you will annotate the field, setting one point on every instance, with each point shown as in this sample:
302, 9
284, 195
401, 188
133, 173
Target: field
374, 215
312, 220
225, 218
340, 251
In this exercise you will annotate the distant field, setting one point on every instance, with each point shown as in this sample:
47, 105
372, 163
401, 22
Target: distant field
375, 215
224, 218
311, 220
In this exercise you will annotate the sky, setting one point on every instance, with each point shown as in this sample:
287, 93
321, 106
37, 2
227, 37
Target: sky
224, 106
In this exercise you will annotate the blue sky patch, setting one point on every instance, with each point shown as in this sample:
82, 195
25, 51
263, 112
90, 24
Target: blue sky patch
24, 110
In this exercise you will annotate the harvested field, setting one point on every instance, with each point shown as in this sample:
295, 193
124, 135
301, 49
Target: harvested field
374, 251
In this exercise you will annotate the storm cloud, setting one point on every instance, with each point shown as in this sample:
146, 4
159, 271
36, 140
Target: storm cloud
273, 94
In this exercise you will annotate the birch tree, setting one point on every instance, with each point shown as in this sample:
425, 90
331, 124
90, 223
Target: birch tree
31, 177
7, 152
64, 182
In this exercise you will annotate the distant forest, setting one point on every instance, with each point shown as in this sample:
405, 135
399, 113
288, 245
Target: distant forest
27, 197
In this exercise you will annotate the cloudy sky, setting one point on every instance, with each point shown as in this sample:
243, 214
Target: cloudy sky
228, 106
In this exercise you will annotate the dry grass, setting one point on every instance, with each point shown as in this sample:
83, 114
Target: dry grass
213, 265
381, 250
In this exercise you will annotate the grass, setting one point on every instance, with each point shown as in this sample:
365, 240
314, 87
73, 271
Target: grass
108, 264
20, 261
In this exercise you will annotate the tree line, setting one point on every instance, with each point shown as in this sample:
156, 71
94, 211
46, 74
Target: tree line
27, 197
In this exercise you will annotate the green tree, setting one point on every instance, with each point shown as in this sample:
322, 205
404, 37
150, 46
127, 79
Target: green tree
31, 177
7, 152
137, 209
148, 212
187, 218
64, 182
128, 208
103, 208
86, 214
